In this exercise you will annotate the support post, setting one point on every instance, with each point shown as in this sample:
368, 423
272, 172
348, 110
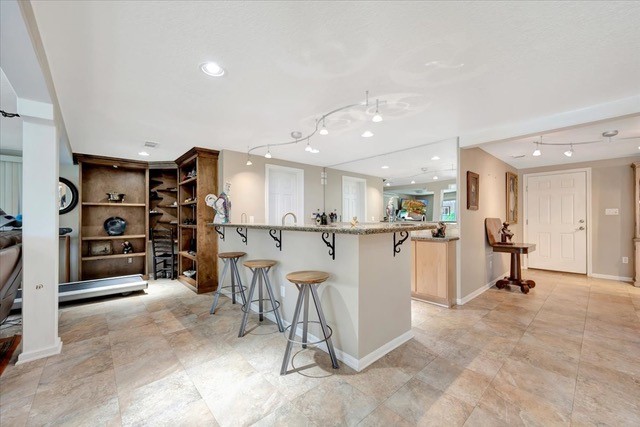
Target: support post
40, 156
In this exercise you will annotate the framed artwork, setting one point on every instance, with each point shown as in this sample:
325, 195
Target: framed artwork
473, 191
512, 198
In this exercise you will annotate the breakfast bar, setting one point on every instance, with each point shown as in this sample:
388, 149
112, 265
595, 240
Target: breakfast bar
367, 298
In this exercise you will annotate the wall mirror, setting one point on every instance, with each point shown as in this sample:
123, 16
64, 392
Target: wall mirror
420, 182
67, 195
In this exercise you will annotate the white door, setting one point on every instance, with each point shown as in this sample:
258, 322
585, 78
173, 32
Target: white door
353, 198
284, 193
556, 221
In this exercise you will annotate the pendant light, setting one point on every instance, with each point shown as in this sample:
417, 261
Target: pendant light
537, 151
377, 117
268, 155
324, 130
308, 148
435, 177
413, 181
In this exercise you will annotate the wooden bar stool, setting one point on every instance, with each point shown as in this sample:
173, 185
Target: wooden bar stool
308, 281
260, 269
230, 260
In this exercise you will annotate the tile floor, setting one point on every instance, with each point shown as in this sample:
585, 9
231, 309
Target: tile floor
567, 353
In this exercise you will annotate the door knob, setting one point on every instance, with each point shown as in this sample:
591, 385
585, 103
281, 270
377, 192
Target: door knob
581, 221
580, 228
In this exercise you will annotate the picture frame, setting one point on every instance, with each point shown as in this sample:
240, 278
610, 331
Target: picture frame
473, 191
100, 247
511, 190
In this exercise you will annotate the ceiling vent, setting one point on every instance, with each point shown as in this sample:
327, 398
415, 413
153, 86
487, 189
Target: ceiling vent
151, 144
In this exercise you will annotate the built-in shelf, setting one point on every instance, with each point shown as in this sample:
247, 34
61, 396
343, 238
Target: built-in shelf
193, 202
113, 256
188, 226
155, 213
188, 255
166, 190
168, 206
189, 282
188, 181
122, 237
139, 205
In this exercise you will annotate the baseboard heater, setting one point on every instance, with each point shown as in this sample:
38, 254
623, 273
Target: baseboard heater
94, 288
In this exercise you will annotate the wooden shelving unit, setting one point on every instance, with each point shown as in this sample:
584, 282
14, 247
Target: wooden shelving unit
163, 184
197, 237
99, 176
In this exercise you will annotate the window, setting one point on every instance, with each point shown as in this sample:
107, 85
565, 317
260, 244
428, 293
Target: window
448, 206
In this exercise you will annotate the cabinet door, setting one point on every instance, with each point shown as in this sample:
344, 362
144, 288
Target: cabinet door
413, 266
431, 269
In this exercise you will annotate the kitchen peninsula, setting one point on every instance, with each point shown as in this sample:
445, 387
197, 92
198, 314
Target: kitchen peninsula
367, 299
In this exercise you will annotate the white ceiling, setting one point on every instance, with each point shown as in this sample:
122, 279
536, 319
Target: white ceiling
626, 143
127, 72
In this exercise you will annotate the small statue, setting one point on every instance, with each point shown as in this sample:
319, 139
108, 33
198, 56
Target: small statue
505, 234
222, 205
440, 231
127, 248
354, 221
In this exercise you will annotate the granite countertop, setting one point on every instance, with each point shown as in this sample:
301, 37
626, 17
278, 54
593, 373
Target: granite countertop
434, 239
339, 227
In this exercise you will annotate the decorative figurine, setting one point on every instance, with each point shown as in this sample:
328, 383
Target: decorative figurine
505, 234
391, 209
127, 248
354, 221
440, 231
221, 204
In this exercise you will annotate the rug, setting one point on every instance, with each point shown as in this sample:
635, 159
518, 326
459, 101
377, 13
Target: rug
7, 347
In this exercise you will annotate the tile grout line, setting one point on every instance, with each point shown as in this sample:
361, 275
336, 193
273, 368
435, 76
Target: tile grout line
584, 330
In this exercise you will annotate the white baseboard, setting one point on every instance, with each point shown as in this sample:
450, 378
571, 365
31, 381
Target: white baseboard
610, 277
30, 356
347, 359
480, 290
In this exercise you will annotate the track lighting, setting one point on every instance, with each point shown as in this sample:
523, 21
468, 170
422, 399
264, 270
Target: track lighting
537, 151
377, 117
569, 152
413, 181
324, 130
268, 155
308, 148
249, 162
435, 177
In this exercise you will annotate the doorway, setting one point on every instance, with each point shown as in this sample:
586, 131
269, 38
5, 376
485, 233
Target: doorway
556, 207
354, 198
284, 193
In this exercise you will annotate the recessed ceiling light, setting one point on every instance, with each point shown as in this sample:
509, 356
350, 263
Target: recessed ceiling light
367, 134
212, 69
435, 158
143, 153
385, 167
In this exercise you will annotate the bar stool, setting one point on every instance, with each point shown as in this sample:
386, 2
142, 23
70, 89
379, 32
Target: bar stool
308, 281
230, 260
260, 269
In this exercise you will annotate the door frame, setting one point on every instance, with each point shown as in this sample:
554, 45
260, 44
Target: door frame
300, 179
525, 225
364, 194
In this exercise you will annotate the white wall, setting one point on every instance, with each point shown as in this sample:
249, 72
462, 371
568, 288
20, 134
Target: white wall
248, 187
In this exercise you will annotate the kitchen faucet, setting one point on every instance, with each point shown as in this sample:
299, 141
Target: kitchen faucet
295, 220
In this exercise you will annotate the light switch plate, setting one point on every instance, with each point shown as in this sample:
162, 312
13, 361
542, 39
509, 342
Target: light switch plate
611, 212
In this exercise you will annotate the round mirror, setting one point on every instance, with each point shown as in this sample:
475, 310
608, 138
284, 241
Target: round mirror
68, 195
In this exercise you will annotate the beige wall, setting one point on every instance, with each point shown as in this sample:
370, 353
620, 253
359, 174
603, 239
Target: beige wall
479, 265
248, 187
611, 187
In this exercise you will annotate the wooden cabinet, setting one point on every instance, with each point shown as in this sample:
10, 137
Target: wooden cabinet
197, 243
163, 197
434, 271
101, 255
636, 235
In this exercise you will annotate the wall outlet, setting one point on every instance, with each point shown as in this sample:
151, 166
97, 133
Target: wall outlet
282, 291
611, 211
625, 260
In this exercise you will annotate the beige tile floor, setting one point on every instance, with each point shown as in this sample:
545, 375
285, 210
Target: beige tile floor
566, 354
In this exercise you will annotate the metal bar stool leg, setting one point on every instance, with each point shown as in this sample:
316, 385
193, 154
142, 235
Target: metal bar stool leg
216, 295
292, 333
305, 324
233, 281
258, 272
247, 307
273, 300
323, 323
242, 295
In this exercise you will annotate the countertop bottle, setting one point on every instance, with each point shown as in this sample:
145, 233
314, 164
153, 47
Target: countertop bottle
323, 219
